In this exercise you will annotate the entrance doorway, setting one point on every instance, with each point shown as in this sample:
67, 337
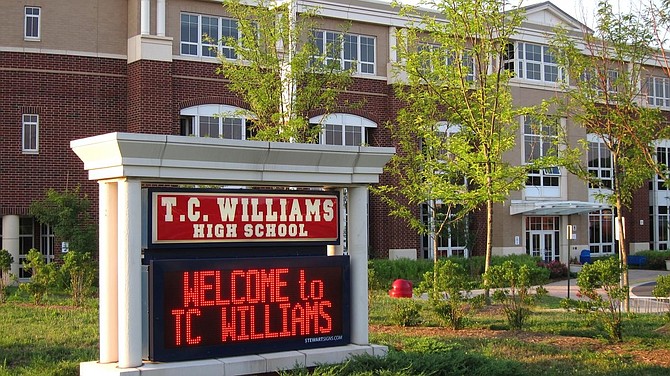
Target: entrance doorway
542, 237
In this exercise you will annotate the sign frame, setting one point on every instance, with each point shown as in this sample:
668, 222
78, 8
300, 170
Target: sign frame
150, 241
158, 351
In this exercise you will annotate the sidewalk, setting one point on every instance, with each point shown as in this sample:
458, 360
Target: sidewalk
641, 282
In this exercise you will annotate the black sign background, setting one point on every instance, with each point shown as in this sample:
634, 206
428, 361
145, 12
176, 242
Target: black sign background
327, 274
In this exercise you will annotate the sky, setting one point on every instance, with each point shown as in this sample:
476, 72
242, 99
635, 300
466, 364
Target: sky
581, 10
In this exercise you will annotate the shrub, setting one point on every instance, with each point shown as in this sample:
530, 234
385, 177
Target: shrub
387, 271
79, 269
606, 310
41, 275
405, 312
6, 261
662, 290
555, 267
449, 287
513, 282
655, 259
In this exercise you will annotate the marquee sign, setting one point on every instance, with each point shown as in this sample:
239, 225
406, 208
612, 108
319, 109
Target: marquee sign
216, 217
211, 308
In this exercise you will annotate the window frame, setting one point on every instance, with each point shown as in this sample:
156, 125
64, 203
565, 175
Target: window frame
34, 19
215, 112
518, 61
344, 121
599, 171
224, 50
653, 98
546, 177
322, 39
32, 124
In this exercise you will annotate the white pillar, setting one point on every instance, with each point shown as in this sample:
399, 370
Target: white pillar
334, 250
160, 18
145, 17
130, 273
358, 253
108, 269
10, 240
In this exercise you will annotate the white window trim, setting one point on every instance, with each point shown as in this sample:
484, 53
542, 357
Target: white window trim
520, 67
653, 97
343, 120
39, 23
595, 139
220, 112
218, 43
25, 123
359, 63
541, 190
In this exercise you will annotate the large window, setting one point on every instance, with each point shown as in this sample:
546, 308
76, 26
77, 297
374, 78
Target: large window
452, 241
31, 28
343, 129
351, 51
30, 133
540, 141
658, 91
601, 231
213, 120
206, 35
26, 243
532, 62
600, 164
430, 52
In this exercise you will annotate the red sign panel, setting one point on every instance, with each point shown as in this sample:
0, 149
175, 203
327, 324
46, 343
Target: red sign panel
223, 217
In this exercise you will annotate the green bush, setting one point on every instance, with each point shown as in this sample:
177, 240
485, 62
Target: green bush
513, 282
405, 312
662, 290
42, 275
655, 259
6, 261
387, 271
607, 310
79, 269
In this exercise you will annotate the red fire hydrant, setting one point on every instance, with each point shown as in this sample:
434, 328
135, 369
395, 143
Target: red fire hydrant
401, 288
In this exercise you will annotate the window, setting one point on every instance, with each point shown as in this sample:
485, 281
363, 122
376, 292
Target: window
532, 62
206, 35
601, 231
658, 91
213, 120
600, 164
430, 52
663, 158
31, 30
343, 129
452, 241
350, 51
47, 242
540, 141
26, 243
30, 133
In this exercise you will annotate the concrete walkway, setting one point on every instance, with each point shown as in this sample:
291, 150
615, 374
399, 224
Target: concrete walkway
641, 281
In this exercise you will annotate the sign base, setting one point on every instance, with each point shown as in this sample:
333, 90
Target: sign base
238, 365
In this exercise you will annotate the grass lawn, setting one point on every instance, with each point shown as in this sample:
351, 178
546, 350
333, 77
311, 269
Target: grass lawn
54, 338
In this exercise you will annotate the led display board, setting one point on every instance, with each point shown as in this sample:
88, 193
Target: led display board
212, 308
213, 218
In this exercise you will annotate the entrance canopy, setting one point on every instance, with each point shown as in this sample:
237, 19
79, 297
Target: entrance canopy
554, 207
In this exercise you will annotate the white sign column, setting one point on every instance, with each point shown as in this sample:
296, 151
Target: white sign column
358, 253
130, 273
108, 284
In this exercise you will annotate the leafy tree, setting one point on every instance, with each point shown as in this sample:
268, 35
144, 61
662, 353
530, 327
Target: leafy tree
6, 261
513, 283
606, 69
606, 309
277, 69
458, 119
68, 213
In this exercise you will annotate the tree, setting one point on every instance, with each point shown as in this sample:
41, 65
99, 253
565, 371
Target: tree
603, 95
458, 119
276, 67
68, 213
